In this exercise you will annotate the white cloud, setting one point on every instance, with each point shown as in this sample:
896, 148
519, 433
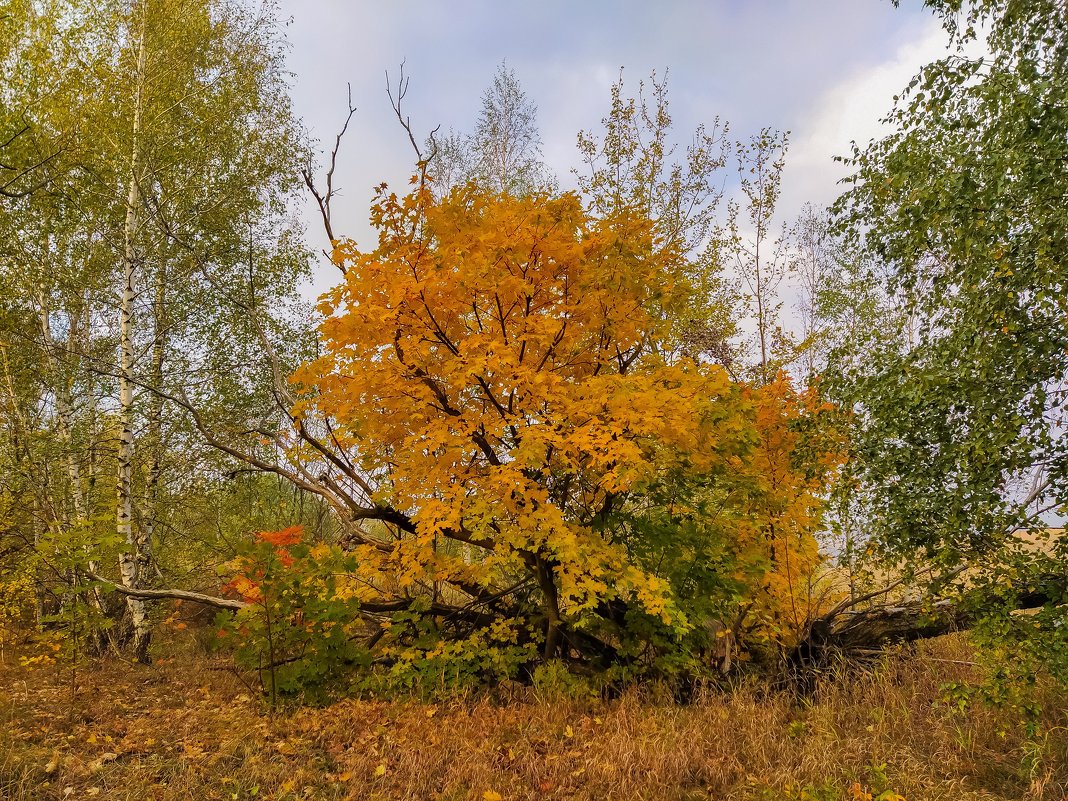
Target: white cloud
850, 111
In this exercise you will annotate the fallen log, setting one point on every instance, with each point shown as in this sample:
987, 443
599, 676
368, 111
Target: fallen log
849, 630
853, 631
176, 595
467, 613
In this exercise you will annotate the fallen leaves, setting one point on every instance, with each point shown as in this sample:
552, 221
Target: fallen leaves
97, 765
193, 734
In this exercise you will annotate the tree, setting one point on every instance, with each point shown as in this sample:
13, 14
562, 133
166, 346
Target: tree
50, 272
526, 459
961, 403
497, 364
525, 456
503, 153
506, 141
632, 166
814, 264
26, 152
760, 260
208, 174
163, 232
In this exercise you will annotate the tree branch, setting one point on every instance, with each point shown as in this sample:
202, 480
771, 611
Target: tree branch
178, 595
323, 199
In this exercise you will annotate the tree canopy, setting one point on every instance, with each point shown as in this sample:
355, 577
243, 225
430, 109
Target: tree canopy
530, 427
504, 368
961, 403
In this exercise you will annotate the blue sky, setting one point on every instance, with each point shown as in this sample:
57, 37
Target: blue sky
824, 69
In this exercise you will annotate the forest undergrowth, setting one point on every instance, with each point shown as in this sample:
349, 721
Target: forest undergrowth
189, 727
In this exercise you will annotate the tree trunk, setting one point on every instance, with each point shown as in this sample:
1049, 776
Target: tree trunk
154, 443
130, 561
77, 505
547, 582
64, 411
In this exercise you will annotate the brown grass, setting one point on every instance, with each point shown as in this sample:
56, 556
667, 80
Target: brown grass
191, 730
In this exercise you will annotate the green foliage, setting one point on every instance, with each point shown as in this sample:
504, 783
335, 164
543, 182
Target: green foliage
75, 609
677, 533
420, 661
962, 204
960, 404
218, 264
553, 682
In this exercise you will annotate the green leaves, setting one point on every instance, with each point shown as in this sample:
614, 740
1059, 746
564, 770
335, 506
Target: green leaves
303, 624
215, 263
961, 404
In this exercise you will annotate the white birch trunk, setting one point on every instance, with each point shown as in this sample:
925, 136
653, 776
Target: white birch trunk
64, 412
131, 561
77, 514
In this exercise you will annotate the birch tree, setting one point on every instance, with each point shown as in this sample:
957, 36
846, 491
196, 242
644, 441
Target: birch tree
961, 402
161, 253
503, 152
636, 164
759, 255
213, 150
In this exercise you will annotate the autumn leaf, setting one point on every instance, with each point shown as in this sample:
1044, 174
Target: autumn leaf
512, 364
286, 536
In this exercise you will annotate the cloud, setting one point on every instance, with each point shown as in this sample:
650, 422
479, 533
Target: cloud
850, 111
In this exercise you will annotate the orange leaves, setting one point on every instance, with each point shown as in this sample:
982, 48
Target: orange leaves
795, 454
505, 367
249, 574
497, 341
247, 589
287, 536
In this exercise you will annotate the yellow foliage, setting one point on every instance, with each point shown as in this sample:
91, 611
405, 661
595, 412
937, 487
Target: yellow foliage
505, 367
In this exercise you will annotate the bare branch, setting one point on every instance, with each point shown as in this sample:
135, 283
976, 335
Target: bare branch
422, 161
323, 199
177, 595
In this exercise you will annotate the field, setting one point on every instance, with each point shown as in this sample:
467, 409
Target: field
190, 728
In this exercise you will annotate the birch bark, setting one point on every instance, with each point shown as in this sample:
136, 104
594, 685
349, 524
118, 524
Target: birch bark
134, 559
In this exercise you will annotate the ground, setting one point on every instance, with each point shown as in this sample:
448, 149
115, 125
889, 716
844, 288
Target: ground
191, 728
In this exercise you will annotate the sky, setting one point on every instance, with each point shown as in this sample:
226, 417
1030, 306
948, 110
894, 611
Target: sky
824, 70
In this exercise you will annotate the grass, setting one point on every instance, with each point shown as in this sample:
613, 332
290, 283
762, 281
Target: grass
191, 729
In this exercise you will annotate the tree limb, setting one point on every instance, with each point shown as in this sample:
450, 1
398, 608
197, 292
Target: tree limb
178, 595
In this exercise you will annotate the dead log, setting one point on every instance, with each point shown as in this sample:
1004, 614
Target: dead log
176, 595
854, 631
849, 630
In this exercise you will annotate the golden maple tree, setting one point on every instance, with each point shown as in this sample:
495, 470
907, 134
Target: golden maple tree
508, 370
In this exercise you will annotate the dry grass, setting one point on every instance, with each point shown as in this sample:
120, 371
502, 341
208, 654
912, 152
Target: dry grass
185, 731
